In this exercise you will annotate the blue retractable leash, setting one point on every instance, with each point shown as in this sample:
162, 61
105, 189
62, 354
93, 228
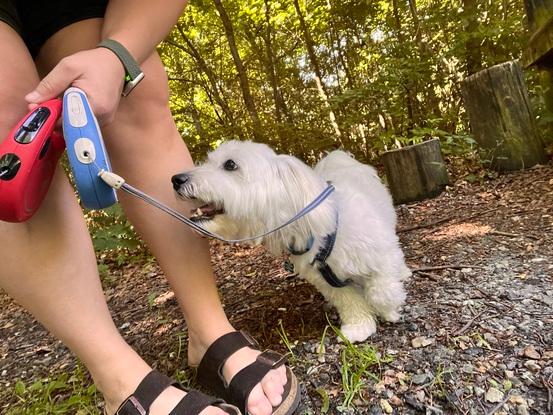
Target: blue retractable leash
96, 182
86, 150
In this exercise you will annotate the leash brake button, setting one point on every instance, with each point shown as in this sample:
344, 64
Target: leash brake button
28, 131
76, 114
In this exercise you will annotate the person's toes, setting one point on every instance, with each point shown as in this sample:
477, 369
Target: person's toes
282, 374
273, 387
258, 403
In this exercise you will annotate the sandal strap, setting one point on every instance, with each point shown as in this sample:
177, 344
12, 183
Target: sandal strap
193, 403
210, 370
145, 394
244, 381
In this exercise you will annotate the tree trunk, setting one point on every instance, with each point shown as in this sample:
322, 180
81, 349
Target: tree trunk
497, 103
205, 69
416, 172
242, 75
410, 94
473, 51
310, 46
426, 56
281, 109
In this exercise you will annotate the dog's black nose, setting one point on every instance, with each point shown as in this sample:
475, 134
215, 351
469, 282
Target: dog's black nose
179, 179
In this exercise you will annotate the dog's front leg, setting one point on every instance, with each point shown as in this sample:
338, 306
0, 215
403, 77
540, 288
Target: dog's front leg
358, 319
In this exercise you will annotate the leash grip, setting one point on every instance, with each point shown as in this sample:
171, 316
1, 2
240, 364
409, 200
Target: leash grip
28, 160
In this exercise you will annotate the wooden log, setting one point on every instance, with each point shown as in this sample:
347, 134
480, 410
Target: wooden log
497, 103
416, 172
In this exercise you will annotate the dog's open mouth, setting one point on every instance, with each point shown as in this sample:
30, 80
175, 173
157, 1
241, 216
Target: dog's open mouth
206, 212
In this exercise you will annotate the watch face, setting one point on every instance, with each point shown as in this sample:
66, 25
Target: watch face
9, 166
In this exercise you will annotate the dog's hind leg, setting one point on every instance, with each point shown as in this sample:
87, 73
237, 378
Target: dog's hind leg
358, 318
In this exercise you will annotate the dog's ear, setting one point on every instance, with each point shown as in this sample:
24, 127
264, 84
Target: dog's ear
299, 180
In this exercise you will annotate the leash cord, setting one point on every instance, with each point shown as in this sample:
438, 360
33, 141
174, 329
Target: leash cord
117, 182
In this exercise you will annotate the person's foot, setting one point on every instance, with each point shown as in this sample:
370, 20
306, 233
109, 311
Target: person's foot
128, 380
165, 402
265, 395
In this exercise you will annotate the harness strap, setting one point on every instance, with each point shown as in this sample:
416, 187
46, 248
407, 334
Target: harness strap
323, 254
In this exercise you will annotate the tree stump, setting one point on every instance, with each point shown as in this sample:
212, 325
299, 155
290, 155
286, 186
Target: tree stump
416, 172
540, 22
497, 103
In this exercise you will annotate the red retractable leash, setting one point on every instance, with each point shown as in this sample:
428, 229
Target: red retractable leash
28, 160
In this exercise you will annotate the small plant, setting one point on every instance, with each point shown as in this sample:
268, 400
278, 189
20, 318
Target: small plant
358, 364
439, 380
62, 394
284, 337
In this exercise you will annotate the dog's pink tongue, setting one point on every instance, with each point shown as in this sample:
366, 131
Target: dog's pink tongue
208, 210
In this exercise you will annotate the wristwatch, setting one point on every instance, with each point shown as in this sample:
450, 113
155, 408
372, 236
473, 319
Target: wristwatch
133, 73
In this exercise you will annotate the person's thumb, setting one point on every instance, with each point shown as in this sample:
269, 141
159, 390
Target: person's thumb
53, 84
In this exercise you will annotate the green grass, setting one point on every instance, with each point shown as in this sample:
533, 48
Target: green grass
65, 393
360, 363
286, 341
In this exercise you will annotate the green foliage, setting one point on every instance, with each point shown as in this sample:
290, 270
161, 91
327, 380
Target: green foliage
111, 231
61, 394
390, 69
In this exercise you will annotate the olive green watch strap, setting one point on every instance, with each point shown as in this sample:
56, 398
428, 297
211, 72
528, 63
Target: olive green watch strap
133, 72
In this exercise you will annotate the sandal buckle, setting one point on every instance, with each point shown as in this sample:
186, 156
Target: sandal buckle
272, 358
129, 406
253, 343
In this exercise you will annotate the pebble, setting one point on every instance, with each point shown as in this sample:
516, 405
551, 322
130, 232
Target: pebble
385, 405
479, 391
531, 352
494, 395
422, 378
421, 342
532, 365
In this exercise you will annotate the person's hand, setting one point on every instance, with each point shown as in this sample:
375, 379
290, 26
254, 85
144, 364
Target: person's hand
98, 72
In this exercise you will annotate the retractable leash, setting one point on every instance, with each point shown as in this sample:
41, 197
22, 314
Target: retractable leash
93, 175
86, 150
28, 160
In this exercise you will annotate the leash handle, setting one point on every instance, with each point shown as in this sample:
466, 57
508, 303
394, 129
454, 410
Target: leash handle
117, 182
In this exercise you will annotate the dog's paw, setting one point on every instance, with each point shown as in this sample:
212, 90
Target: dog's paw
359, 331
392, 316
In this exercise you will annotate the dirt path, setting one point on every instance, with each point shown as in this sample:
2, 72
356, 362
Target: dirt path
477, 334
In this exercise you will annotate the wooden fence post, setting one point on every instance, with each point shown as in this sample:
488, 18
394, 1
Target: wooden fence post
502, 121
415, 172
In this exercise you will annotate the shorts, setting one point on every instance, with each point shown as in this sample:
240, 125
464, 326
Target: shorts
37, 20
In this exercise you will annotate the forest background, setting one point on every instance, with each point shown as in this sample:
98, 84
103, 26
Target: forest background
307, 76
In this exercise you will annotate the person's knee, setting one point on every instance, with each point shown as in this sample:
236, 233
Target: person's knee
148, 104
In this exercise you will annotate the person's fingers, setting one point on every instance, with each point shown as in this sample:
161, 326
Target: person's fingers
53, 84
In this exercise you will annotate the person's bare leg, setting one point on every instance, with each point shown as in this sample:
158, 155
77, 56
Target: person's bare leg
146, 149
48, 264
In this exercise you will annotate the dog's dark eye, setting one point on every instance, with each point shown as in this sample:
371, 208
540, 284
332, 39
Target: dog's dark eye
230, 165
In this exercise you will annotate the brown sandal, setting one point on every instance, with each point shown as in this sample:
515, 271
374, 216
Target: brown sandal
210, 373
154, 383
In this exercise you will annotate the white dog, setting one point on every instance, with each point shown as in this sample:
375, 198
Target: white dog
346, 247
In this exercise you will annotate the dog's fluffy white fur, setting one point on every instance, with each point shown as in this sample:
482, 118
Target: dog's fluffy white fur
258, 190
